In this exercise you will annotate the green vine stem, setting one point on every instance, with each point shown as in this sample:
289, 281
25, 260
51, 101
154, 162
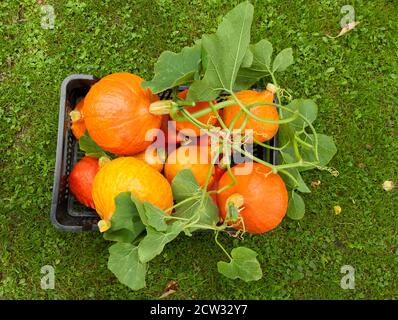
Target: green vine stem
264, 145
221, 246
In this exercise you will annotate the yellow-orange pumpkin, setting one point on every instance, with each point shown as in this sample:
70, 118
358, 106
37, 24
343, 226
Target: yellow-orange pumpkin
129, 174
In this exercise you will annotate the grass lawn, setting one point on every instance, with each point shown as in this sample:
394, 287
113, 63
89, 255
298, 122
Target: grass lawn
353, 79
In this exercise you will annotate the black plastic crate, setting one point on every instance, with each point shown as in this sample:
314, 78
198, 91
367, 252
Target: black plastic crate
67, 213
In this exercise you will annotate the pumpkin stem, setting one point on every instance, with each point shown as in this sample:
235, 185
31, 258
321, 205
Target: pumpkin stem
103, 161
236, 200
224, 162
104, 225
272, 88
75, 115
161, 107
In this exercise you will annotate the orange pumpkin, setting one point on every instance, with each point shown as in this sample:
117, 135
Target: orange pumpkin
129, 174
81, 180
186, 127
261, 131
154, 156
116, 113
195, 158
78, 126
259, 195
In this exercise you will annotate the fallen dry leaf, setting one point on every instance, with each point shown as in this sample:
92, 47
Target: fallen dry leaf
347, 28
171, 287
388, 185
337, 210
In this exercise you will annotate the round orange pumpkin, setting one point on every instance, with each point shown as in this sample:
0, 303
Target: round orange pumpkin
116, 114
129, 174
260, 195
81, 180
261, 131
195, 158
78, 126
188, 128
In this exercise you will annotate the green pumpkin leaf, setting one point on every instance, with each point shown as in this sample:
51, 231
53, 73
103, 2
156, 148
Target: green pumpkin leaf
88, 145
226, 50
174, 69
184, 186
296, 207
326, 149
307, 108
247, 59
154, 242
283, 60
126, 224
244, 265
155, 217
126, 266
260, 67
140, 208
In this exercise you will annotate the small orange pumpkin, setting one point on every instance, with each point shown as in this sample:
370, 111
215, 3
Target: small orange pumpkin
193, 157
78, 126
154, 156
260, 196
261, 131
81, 180
188, 128
116, 113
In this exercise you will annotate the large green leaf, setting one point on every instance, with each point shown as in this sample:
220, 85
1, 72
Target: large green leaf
226, 50
126, 224
296, 207
260, 67
185, 186
154, 242
174, 69
88, 145
155, 217
125, 264
326, 149
306, 108
244, 265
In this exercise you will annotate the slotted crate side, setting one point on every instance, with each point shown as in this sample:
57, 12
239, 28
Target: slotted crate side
73, 88
66, 212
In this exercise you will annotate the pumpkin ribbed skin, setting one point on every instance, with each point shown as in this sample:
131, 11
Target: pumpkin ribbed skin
261, 131
195, 158
264, 194
129, 174
116, 113
78, 126
81, 180
186, 127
